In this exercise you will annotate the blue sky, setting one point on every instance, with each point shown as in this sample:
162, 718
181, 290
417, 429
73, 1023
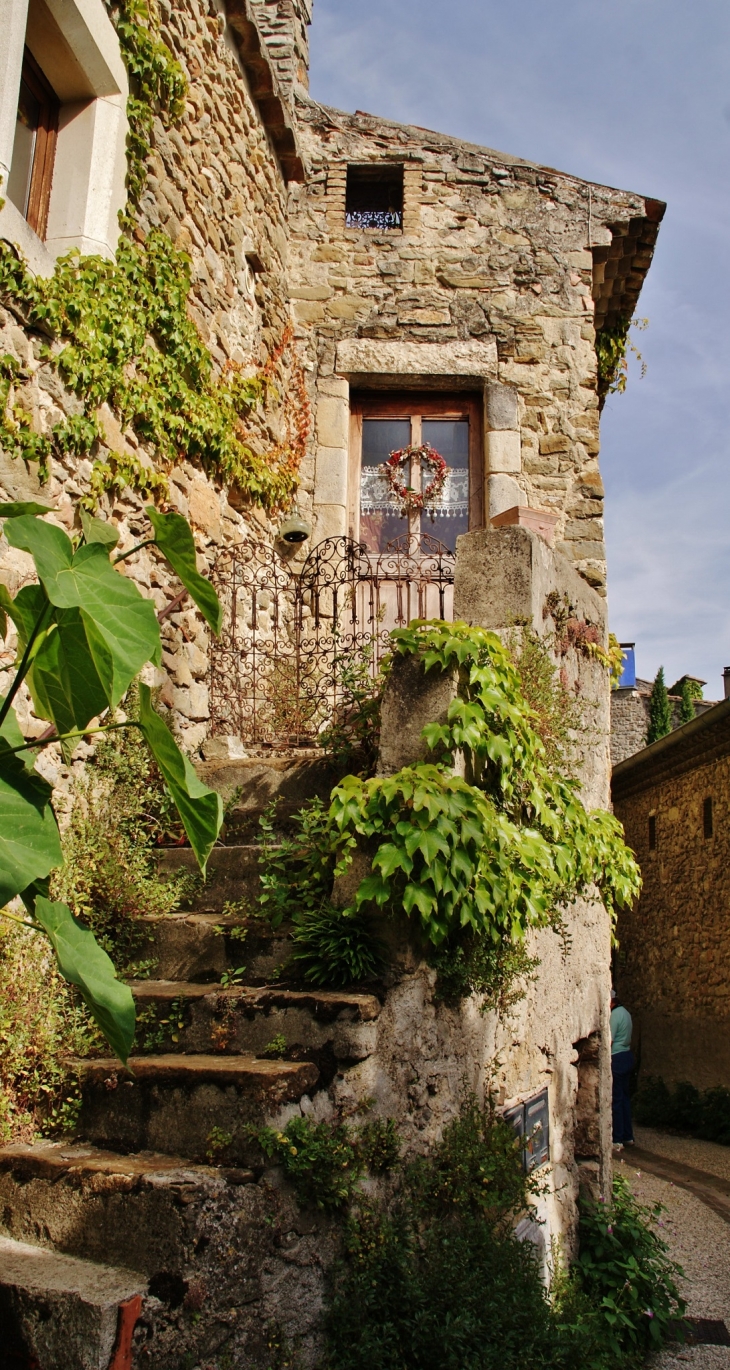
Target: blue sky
635, 94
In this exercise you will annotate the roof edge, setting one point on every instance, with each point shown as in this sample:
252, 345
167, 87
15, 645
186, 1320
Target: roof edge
717, 714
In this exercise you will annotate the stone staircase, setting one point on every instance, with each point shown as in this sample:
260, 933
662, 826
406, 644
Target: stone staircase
163, 1160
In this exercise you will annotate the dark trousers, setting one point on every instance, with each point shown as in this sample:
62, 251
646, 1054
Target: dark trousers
622, 1065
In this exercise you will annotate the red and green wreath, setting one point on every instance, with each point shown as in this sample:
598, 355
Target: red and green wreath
414, 501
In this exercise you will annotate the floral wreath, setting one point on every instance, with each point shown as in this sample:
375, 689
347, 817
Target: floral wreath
412, 500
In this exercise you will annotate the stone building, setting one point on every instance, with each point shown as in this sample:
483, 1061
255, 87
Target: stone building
630, 714
391, 285
673, 964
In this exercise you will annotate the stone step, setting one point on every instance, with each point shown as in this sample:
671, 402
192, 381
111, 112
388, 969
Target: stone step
137, 1211
249, 785
201, 946
327, 1026
232, 875
57, 1310
181, 1104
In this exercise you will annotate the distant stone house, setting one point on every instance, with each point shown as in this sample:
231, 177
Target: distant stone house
673, 961
630, 714
436, 291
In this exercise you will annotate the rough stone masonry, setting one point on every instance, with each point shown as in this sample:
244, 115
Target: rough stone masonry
493, 284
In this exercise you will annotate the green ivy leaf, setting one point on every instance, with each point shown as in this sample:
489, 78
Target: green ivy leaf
85, 964
200, 808
175, 540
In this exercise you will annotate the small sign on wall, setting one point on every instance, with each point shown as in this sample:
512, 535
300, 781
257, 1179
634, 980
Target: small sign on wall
531, 1122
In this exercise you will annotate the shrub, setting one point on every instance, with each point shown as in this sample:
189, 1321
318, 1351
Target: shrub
625, 1271
320, 1159
703, 1114
333, 949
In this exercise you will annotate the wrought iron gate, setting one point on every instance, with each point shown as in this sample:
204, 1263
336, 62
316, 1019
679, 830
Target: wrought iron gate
279, 669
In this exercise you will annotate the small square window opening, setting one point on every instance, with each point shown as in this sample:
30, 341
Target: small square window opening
374, 196
652, 833
707, 818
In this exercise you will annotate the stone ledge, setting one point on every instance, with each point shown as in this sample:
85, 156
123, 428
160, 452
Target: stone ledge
367, 359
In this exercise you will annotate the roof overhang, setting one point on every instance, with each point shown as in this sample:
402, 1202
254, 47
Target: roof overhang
257, 65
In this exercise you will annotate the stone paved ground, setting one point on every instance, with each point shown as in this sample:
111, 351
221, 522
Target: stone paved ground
698, 1238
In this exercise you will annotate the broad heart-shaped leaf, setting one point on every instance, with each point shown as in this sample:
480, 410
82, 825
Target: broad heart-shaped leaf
96, 530
200, 809
16, 509
63, 678
84, 963
26, 609
120, 625
30, 846
175, 541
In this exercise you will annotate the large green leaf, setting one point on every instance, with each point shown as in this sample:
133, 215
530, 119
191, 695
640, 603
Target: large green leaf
200, 809
63, 679
30, 846
85, 964
96, 530
16, 509
121, 627
175, 541
26, 609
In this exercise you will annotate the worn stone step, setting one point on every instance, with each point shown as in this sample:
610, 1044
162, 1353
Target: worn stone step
232, 875
141, 1211
249, 785
182, 1103
59, 1311
201, 946
330, 1027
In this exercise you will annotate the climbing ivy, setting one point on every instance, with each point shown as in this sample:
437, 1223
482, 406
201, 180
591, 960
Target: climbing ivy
612, 345
494, 853
118, 332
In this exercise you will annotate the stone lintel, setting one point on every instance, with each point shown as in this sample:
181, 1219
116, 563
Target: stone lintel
365, 359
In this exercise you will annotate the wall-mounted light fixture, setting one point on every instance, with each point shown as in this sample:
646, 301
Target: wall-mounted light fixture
294, 527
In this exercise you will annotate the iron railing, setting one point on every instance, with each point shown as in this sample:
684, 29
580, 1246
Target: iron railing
291, 641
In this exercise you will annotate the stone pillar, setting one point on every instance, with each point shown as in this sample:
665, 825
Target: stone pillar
331, 497
503, 451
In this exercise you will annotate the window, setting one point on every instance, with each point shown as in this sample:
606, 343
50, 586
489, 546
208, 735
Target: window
31, 168
707, 818
385, 425
374, 196
652, 832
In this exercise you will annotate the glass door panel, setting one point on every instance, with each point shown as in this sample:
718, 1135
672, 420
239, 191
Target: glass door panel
380, 519
449, 517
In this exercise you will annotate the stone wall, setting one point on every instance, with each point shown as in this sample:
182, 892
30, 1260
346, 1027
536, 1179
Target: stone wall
673, 963
492, 278
215, 187
629, 723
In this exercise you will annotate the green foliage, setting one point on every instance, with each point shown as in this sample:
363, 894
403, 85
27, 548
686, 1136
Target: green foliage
335, 949
660, 710
158, 86
498, 971
495, 853
42, 1025
476, 1168
612, 344
320, 1159
685, 1108
688, 697
626, 1273
296, 871
557, 713
277, 1045
379, 1145
353, 736
84, 631
127, 339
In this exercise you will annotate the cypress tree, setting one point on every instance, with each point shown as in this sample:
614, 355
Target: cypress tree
660, 711
687, 707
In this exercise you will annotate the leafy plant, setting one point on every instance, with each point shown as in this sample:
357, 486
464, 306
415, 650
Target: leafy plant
353, 735
333, 949
320, 1159
217, 1142
688, 697
558, 714
296, 871
84, 632
277, 1045
660, 710
158, 85
700, 1113
612, 345
379, 1145
496, 853
625, 1271
497, 970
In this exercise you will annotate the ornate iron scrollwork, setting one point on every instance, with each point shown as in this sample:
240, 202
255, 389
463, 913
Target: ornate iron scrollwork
288, 636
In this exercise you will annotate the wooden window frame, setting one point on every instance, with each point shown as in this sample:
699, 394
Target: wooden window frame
44, 151
416, 406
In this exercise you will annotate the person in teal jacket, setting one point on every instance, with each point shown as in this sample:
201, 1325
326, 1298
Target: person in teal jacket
622, 1064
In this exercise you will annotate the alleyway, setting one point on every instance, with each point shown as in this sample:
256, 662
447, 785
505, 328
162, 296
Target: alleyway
697, 1229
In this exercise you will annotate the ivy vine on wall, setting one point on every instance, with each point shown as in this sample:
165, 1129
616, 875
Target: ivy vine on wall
118, 332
